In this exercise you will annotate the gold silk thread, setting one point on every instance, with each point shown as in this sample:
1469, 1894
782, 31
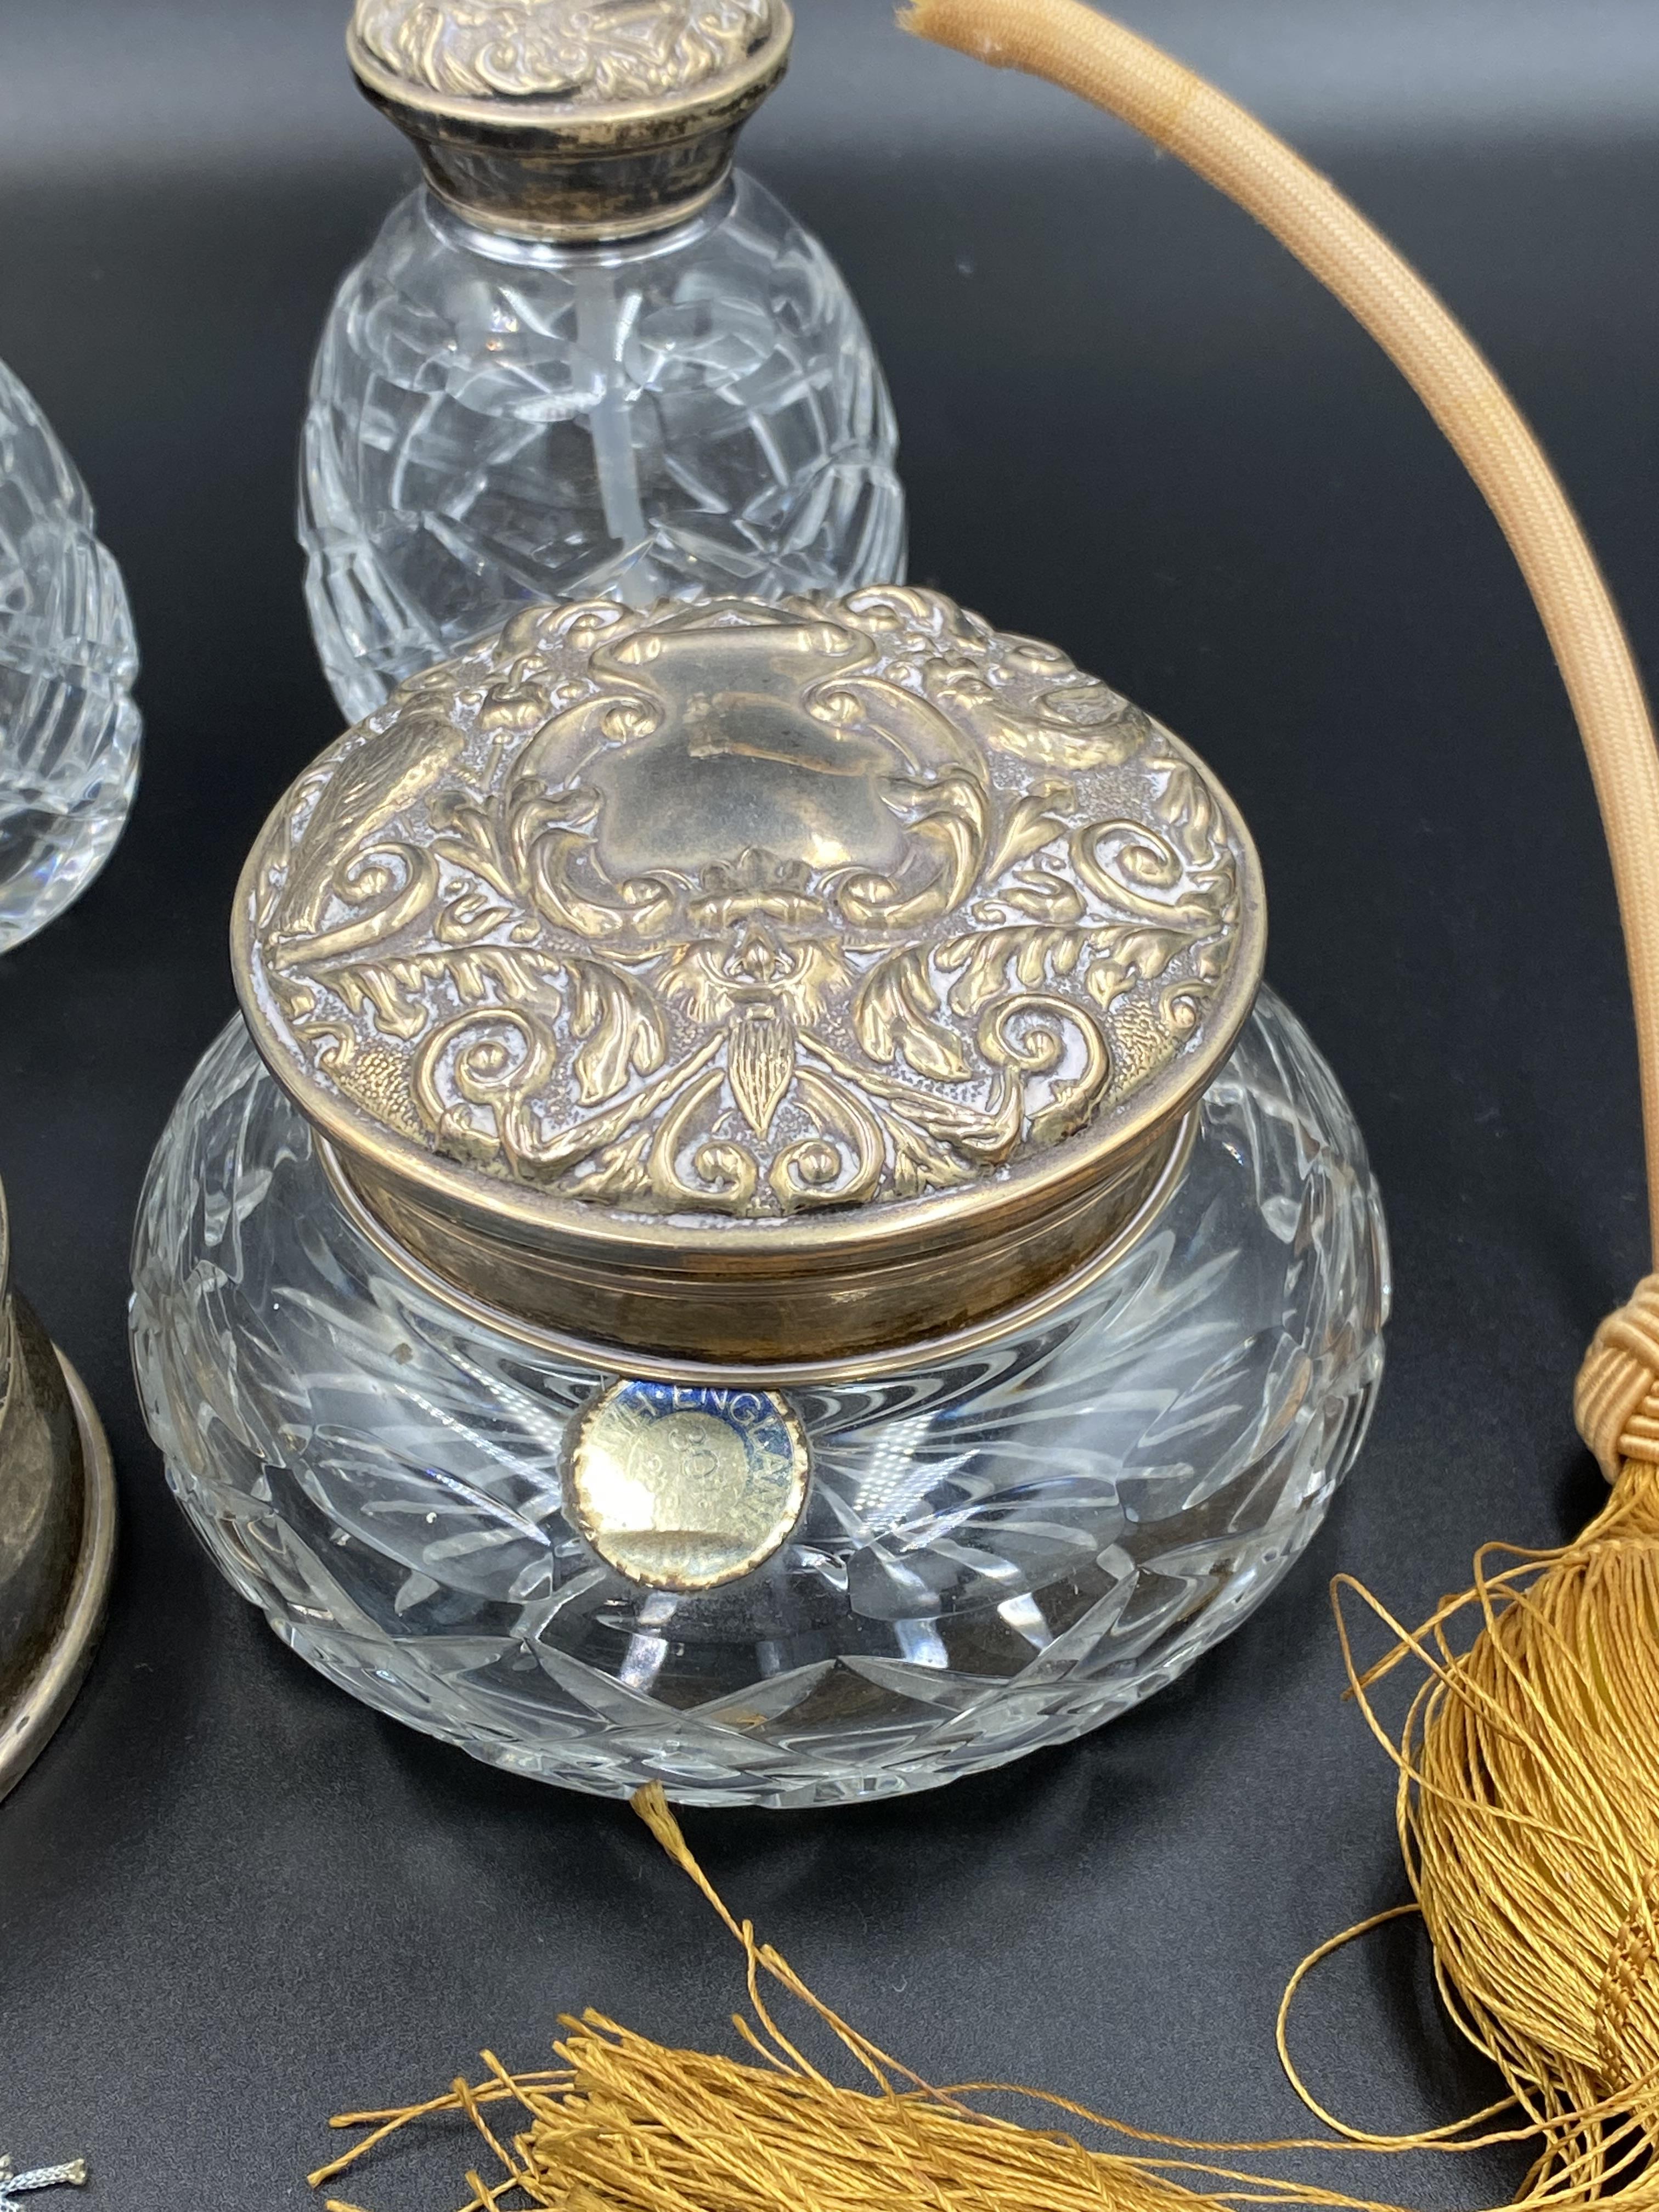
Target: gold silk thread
625, 2125
1527, 1799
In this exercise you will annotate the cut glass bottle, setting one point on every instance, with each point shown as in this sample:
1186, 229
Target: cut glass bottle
69, 728
554, 375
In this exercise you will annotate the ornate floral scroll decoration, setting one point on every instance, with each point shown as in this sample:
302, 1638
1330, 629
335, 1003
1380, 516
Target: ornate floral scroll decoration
747, 910
592, 50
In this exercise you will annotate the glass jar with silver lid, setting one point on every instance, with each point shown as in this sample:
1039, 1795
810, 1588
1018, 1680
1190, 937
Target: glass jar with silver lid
758, 1230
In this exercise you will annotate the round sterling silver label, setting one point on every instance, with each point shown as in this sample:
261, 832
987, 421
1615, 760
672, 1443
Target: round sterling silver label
683, 1488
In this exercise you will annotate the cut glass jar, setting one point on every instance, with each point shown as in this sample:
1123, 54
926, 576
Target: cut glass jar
584, 357
757, 1231
69, 729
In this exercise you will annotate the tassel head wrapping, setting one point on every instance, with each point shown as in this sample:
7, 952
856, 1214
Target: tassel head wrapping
1616, 1402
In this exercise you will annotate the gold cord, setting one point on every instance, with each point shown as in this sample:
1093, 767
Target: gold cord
627, 2124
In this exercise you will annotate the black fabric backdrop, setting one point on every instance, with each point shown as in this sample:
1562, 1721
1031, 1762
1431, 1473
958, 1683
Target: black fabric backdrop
232, 1901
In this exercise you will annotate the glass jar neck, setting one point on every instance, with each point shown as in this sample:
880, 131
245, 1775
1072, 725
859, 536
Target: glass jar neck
522, 252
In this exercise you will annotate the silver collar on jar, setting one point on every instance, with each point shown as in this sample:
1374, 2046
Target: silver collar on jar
57, 1530
549, 120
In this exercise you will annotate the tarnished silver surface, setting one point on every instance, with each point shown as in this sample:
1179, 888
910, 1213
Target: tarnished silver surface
579, 51
765, 982
56, 1532
571, 120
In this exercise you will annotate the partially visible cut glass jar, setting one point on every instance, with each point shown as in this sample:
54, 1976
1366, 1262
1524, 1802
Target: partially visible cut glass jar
586, 356
757, 1232
69, 729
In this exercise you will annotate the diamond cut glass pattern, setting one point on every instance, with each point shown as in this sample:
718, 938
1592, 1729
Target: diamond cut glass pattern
998, 1549
495, 422
69, 729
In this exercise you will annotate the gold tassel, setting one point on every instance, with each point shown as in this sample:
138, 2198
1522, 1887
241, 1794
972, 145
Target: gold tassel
1528, 1798
625, 2125
1529, 1763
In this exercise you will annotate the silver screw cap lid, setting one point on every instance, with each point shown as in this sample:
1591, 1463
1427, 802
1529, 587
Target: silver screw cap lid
571, 120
